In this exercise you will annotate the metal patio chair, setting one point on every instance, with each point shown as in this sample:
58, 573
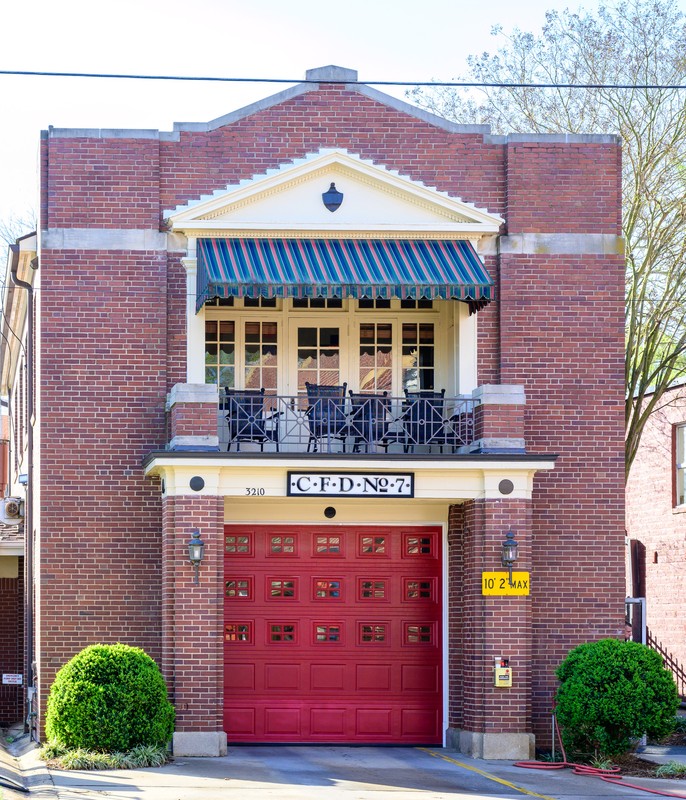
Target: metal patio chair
326, 414
248, 421
424, 422
371, 423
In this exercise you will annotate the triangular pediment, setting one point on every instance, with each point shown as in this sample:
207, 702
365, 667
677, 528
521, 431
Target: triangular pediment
288, 202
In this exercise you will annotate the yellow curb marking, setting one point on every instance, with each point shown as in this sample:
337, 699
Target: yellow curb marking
486, 774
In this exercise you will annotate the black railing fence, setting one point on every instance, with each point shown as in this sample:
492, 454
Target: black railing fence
333, 420
672, 663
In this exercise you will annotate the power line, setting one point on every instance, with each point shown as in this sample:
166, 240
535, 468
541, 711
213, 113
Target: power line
435, 84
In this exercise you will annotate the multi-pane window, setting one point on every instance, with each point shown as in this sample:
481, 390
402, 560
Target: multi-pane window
418, 634
260, 356
418, 356
238, 588
240, 545
317, 302
680, 464
327, 633
327, 545
282, 588
282, 632
373, 546
238, 632
282, 545
376, 357
324, 589
319, 356
375, 632
418, 545
372, 590
418, 589
391, 348
220, 353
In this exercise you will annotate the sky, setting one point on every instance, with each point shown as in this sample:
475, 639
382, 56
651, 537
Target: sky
406, 40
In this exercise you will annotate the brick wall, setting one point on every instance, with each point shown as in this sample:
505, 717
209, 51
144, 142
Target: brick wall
103, 389
12, 646
653, 519
564, 344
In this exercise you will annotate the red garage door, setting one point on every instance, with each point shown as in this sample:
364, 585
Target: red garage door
332, 634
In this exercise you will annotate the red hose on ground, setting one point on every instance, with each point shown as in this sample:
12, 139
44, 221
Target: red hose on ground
608, 775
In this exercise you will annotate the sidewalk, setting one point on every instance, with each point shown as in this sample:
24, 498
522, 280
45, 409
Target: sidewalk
327, 773
662, 754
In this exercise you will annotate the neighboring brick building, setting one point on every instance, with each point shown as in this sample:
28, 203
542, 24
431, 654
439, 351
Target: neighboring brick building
477, 280
656, 526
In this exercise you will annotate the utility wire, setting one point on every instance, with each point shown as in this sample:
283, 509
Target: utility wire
453, 84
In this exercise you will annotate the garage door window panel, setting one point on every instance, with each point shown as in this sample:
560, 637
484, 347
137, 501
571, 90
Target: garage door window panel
283, 546
282, 632
328, 633
282, 588
328, 589
373, 633
373, 589
238, 632
373, 546
239, 588
238, 545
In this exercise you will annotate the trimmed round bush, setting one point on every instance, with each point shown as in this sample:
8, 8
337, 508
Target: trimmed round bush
109, 698
610, 694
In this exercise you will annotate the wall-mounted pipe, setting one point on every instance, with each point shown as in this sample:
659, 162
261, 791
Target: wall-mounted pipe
28, 518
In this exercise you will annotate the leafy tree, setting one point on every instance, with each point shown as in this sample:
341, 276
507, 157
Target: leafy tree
621, 50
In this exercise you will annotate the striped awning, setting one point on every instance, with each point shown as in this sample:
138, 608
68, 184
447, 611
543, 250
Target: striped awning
405, 268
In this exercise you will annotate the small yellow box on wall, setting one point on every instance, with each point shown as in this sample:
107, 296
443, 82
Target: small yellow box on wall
503, 677
498, 583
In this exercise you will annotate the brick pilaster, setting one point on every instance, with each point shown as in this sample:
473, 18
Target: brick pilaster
484, 627
192, 659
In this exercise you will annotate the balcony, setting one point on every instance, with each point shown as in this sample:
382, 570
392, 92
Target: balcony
328, 420
332, 421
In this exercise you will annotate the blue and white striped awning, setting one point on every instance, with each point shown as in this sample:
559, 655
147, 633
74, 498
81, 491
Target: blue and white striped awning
405, 268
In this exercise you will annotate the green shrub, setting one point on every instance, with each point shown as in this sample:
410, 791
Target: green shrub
109, 698
611, 693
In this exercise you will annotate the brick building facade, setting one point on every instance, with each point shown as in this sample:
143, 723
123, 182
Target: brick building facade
655, 506
319, 613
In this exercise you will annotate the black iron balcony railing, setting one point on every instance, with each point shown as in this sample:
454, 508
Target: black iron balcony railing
329, 420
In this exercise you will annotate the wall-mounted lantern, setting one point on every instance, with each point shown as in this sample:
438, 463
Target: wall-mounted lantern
196, 552
509, 555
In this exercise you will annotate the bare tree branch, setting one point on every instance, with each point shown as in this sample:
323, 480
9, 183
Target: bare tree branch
635, 42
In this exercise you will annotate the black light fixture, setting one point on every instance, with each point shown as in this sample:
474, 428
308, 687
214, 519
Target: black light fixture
333, 198
509, 555
196, 552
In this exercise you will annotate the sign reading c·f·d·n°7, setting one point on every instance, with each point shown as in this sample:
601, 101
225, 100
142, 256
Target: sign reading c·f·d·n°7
350, 484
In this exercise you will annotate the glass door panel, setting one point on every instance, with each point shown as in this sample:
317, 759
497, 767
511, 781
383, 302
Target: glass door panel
418, 356
220, 353
318, 356
376, 357
261, 356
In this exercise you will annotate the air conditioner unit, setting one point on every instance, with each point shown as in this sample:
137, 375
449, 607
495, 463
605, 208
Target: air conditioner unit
11, 510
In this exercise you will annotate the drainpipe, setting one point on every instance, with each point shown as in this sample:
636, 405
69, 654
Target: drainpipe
29, 724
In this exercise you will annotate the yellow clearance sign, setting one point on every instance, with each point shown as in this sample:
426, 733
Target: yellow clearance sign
497, 583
